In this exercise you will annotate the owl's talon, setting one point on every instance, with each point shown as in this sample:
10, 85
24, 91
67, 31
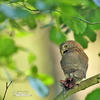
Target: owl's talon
69, 83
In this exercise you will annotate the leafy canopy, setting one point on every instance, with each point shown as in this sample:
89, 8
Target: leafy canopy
71, 13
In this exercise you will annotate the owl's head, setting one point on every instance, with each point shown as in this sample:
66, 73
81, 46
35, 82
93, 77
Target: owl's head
64, 47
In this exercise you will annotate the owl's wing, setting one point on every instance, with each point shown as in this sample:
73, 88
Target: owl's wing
74, 60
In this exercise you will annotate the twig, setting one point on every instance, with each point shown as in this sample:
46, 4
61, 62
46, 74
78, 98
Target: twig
82, 86
87, 21
7, 86
34, 10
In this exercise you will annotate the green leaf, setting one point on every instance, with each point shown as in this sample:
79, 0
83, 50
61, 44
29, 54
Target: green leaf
15, 25
31, 2
90, 34
78, 26
34, 69
31, 58
94, 95
46, 79
21, 33
29, 21
2, 17
13, 12
68, 16
99, 54
68, 12
7, 47
96, 19
57, 36
82, 40
71, 2
28, 72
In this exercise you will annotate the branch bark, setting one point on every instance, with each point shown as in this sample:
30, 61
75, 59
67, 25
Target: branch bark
82, 86
7, 86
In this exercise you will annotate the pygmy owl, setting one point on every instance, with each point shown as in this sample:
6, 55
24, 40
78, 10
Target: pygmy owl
74, 61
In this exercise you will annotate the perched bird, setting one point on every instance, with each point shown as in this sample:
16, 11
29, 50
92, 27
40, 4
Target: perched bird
74, 63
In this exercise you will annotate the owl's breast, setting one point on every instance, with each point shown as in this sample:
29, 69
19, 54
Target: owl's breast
72, 61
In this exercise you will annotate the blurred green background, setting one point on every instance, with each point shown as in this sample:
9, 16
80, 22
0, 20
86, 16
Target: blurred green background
31, 32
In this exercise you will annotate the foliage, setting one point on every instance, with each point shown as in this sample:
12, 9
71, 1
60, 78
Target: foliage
7, 47
20, 17
31, 58
94, 95
20, 13
57, 36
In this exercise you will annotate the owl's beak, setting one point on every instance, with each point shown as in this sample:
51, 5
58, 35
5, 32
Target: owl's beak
63, 51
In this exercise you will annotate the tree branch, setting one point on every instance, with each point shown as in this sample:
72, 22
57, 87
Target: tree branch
7, 86
91, 23
82, 86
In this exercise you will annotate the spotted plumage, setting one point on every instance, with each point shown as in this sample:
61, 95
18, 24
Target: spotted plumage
74, 61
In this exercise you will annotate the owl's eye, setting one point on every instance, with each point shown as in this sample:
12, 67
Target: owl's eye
65, 46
